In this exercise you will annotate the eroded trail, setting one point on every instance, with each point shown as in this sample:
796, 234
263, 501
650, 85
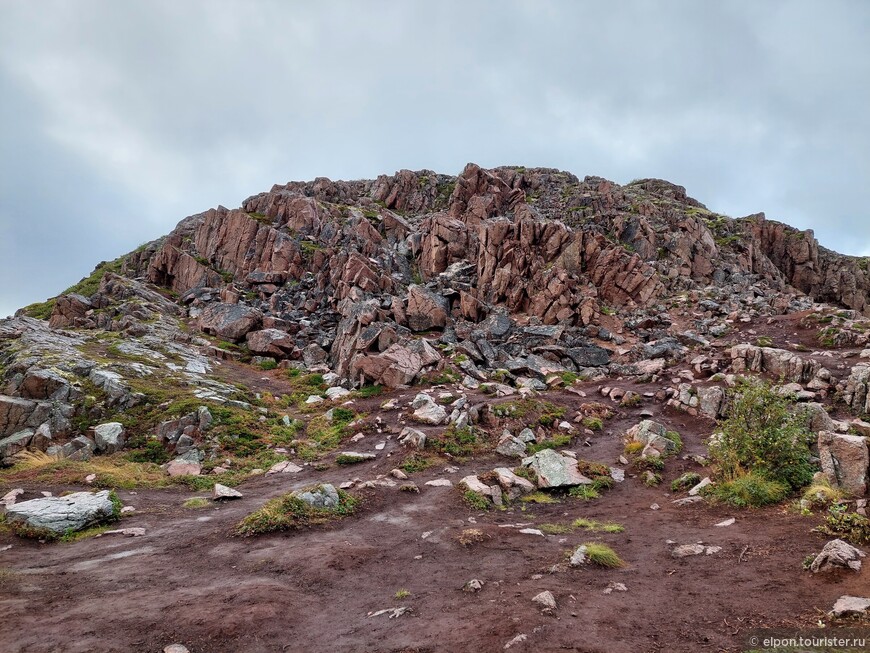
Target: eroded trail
189, 580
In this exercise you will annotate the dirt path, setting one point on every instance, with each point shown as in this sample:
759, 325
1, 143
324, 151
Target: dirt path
188, 580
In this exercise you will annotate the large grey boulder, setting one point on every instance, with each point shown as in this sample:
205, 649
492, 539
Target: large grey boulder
845, 459
109, 437
72, 512
555, 470
322, 496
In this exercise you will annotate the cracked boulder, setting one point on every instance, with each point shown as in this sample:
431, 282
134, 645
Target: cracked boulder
845, 460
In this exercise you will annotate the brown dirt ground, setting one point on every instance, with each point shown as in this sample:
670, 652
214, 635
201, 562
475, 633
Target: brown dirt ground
189, 580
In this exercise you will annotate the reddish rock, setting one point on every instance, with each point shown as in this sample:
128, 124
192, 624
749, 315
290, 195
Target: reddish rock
230, 321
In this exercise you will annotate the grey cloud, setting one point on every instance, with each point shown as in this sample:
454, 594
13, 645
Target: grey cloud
124, 117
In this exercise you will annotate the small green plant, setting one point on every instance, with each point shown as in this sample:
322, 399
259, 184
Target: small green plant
342, 415
367, 391
151, 452
459, 442
568, 378
603, 556
651, 479
593, 423
539, 497
417, 462
685, 481
821, 494
402, 594
476, 500
585, 492
268, 364
674, 437
849, 526
597, 526
555, 529
751, 489
630, 400
348, 459
764, 341
195, 503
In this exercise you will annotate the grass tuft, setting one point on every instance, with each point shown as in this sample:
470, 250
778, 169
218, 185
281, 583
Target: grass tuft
603, 556
289, 512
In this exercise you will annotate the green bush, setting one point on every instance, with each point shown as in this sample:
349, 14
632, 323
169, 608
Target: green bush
152, 452
849, 526
763, 435
750, 489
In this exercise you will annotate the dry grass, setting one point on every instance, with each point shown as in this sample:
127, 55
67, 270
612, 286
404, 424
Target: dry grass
110, 471
471, 536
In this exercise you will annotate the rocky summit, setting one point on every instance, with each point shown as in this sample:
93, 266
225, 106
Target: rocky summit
623, 420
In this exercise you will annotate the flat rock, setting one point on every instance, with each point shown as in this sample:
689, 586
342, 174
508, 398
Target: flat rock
847, 606
555, 470
439, 482
284, 467
72, 512
222, 492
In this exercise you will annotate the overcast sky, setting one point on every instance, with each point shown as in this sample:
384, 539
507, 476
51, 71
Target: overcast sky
117, 119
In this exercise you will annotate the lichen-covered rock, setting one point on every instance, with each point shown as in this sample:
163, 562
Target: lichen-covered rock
109, 437
58, 515
555, 470
322, 496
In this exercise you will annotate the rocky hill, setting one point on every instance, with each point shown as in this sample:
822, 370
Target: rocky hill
461, 321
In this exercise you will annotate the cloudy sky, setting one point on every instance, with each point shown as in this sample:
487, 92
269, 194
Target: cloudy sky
117, 119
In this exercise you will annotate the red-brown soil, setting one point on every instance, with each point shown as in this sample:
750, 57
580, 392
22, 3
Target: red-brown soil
189, 580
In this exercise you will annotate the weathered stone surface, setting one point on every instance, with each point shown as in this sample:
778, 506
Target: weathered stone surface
426, 411
511, 447
555, 470
847, 606
72, 512
230, 321
222, 492
270, 342
425, 309
109, 437
397, 366
411, 437
546, 600
322, 496
15, 443
845, 460
837, 554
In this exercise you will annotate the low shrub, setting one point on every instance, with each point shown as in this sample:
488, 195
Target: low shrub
749, 490
289, 512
